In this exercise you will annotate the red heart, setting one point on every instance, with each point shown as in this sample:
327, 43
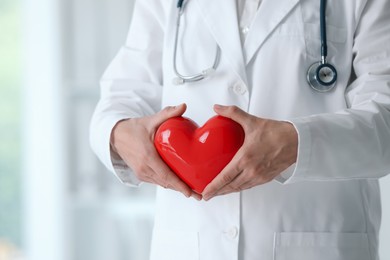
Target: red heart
197, 155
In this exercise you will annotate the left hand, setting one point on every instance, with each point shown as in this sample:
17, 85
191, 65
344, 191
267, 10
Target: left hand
269, 148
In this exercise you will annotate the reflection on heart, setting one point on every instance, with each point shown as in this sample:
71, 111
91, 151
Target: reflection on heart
197, 155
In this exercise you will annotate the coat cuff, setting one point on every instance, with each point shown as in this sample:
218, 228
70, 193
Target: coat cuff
101, 144
124, 173
299, 170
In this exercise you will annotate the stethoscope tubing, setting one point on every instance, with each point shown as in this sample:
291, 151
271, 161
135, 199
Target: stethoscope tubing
314, 73
181, 79
324, 41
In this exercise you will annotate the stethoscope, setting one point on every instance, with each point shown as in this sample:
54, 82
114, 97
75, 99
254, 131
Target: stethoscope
181, 79
321, 75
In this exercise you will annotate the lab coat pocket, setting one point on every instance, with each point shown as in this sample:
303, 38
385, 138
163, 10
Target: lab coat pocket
309, 35
174, 244
321, 246
336, 40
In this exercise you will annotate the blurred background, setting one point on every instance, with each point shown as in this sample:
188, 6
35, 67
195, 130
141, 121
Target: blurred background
57, 202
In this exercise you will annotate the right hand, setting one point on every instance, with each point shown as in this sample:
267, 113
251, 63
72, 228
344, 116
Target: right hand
133, 140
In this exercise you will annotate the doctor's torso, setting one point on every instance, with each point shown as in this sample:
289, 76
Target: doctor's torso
326, 206
264, 75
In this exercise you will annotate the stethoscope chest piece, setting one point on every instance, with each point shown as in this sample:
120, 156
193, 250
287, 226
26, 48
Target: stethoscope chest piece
322, 76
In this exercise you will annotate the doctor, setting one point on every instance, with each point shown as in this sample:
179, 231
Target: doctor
309, 81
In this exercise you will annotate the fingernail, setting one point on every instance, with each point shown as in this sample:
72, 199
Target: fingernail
196, 196
207, 197
180, 105
217, 106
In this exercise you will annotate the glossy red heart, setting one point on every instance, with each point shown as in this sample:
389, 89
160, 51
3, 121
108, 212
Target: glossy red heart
197, 155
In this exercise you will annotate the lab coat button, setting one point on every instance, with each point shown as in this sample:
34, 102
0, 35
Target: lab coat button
245, 30
232, 233
239, 89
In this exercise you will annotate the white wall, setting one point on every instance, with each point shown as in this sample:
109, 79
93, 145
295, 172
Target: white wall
43, 133
74, 209
108, 220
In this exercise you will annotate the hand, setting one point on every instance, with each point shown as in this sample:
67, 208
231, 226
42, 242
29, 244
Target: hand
269, 148
133, 139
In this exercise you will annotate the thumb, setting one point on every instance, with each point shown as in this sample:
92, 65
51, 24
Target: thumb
169, 112
232, 112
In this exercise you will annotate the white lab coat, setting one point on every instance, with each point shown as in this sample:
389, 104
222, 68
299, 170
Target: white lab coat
324, 207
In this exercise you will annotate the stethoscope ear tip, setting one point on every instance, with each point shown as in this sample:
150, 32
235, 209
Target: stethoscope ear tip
178, 81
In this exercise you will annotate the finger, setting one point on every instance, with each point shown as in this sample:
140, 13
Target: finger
147, 175
248, 185
196, 196
234, 113
161, 180
169, 112
227, 175
245, 186
236, 185
169, 179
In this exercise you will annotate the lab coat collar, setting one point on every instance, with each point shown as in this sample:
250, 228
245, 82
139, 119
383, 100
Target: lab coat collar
221, 17
270, 15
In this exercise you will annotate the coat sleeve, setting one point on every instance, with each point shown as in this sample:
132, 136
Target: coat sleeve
353, 143
132, 84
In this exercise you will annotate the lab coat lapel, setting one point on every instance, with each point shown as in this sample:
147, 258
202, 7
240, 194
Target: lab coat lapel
269, 16
221, 17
